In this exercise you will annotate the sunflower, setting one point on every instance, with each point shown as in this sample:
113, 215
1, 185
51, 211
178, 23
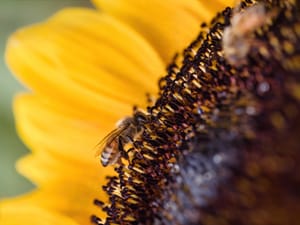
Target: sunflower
85, 69
207, 149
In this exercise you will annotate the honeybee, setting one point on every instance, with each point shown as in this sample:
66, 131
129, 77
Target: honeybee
111, 146
238, 37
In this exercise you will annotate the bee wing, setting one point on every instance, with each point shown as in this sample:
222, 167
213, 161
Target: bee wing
108, 139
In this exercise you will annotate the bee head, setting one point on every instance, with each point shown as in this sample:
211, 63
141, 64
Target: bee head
140, 117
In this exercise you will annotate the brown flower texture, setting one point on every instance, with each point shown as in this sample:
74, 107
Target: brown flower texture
220, 144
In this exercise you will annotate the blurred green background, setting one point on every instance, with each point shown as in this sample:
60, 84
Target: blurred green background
15, 14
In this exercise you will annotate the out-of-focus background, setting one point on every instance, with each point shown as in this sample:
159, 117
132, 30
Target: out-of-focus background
15, 14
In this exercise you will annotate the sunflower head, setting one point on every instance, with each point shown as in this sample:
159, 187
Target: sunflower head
219, 145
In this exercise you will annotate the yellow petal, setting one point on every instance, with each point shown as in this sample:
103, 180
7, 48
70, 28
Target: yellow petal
215, 6
46, 128
48, 171
65, 186
14, 214
170, 25
86, 58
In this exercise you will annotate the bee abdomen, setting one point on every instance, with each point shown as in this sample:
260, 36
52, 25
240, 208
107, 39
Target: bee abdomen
108, 156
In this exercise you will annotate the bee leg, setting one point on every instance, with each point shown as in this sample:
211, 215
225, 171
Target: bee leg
121, 144
120, 150
126, 153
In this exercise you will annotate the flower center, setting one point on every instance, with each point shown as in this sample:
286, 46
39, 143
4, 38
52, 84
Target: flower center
222, 131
